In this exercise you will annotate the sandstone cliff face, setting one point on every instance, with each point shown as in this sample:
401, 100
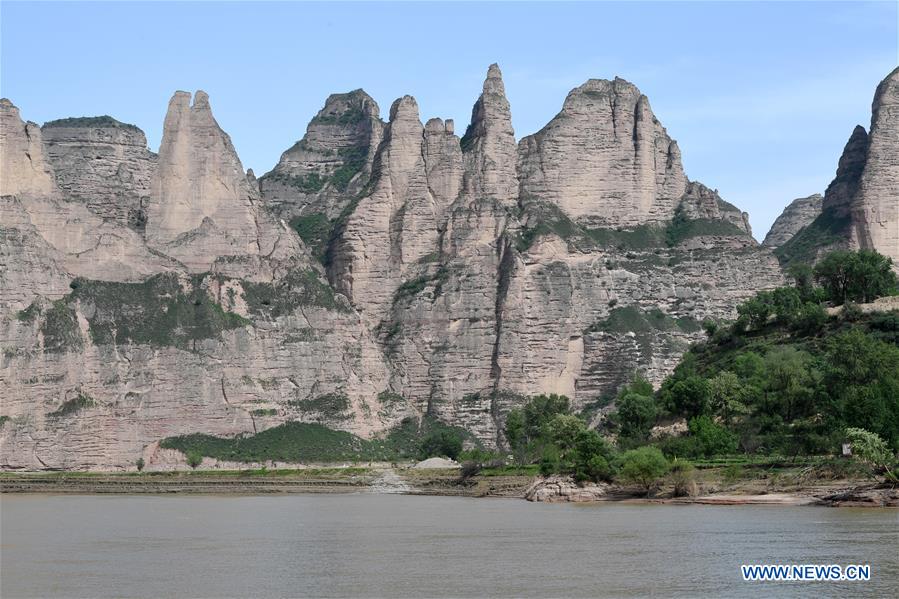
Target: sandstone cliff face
203, 212
798, 214
23, 170
861, 205
605, 160
109, 345
875, 209
104, 163
489, 144
322, 172
440, 276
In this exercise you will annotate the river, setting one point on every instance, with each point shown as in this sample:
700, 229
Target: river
408, 546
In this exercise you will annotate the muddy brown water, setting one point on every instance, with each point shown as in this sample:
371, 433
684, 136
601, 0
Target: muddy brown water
406, 546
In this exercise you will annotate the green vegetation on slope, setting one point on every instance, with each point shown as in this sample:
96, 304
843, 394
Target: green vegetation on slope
298, 288
69, 407
785, 378
315, 231
89, 121
154, 312
825, 231
548, 218
305, 443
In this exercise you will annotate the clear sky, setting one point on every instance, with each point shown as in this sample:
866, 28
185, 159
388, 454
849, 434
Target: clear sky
761, 96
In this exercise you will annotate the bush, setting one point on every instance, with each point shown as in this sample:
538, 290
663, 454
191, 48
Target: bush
140, 464
445, 443
194, 458
869, 448
643, 466
636, 415
861, 276
683, 477
712, 439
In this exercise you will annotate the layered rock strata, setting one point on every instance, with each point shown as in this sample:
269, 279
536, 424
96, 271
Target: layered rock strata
797, 215
379, 271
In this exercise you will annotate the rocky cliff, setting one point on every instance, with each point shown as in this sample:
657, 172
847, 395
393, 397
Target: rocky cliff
381, 270
798, 214
860, 209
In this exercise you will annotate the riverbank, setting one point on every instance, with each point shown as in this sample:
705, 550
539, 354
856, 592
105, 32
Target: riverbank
714, 486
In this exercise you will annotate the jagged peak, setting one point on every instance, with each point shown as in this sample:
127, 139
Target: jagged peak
493, 84
405, 108
339, 104
201, 100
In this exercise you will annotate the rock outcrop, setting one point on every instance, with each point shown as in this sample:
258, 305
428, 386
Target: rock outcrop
605, 159
420, 275
321, 173
875, 209
203, 211
489, 145
105, 164
23, 169
861, 205
798, 214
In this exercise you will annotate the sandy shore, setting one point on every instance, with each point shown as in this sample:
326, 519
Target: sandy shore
415, 482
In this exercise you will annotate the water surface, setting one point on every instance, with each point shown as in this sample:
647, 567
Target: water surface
390, 545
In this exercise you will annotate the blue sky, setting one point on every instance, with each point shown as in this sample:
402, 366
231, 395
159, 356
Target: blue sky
761, 96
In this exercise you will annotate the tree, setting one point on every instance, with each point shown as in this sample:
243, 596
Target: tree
643, 466
194, 458
711, 439
442, 443
687, 396
540, 410
636, 415
563, 431
727, 395
593, 457
862, 381
516, 436
791, 383
869, 448
140, 464
756, 310
861, 276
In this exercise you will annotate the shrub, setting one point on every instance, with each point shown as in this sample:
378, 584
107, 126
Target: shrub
851, 312
446, 443
636, 415
861, 276
194, 458
683, 477
140, 464
643, 466
869, 448
712, 439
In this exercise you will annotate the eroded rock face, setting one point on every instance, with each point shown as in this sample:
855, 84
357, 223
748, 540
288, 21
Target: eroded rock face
798, 214
861, 205
875, 209
605, 159
203, 211
104, 163
322, 172
441, 277
489, 144
23, 169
